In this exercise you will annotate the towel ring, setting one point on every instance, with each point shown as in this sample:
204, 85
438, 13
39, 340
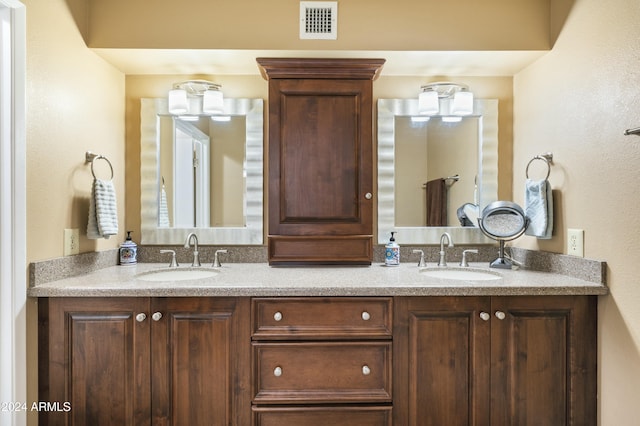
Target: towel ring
547, 158
91, 157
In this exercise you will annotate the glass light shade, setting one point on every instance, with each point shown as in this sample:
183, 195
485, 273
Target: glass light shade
462, 103
212, 102
178, 101
428, 103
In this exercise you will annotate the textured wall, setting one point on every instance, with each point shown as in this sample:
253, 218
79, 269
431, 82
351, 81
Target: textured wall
577, 101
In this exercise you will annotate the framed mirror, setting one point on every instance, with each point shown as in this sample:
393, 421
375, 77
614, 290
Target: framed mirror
202, 174
442, 161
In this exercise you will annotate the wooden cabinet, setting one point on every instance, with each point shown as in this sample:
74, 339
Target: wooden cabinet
317, 360
143, 361
495, 361
306, 361
320, 159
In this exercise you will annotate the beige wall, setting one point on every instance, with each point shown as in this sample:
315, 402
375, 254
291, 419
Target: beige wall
74, 104
577, 101
362, 25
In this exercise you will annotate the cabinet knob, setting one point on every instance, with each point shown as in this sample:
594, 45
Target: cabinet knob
157, 316
484, 316
500, 315
366, 316
141, 317
277, 371
366, 370
277, 316
368, 195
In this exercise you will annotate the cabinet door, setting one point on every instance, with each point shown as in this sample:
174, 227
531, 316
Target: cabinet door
322, 416
94, 355
442, 357
320, 159
200, 361
543, 361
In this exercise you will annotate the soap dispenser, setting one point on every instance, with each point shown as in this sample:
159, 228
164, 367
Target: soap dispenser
392, 252
128, 251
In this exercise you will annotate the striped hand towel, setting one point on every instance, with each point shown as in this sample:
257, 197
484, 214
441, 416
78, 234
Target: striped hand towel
103, 213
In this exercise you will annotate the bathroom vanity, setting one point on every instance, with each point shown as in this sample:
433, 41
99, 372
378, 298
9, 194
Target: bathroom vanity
256, 345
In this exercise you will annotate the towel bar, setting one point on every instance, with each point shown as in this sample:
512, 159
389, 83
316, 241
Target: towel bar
90, 157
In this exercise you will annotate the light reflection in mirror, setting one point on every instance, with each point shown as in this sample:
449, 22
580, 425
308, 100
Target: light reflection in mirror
477, 164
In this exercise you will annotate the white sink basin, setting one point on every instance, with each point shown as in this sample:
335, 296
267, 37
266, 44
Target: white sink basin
462, 274
177, 274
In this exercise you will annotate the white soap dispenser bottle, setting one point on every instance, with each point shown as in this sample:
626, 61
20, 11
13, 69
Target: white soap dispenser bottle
128, 251
392, 252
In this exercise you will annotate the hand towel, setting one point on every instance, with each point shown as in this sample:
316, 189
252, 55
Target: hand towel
163, 213
436, 202
538, 208
103, 213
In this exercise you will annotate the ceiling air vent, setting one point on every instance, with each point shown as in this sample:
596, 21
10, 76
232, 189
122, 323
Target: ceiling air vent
319, 20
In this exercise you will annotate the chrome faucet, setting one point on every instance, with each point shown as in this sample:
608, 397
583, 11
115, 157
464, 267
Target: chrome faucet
216, 259
443, 261
421, 262
187, 243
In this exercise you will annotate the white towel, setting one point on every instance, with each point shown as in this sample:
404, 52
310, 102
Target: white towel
163, 219
103, 213
538, 208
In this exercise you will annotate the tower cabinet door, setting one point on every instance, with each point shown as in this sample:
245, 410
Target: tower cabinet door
201, 366
94, 360
320, 160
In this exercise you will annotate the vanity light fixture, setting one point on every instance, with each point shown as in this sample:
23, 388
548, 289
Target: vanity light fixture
207, 96
431, 93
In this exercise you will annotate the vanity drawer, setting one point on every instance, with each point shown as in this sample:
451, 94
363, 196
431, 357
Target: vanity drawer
323, 416
321, 318
322, 372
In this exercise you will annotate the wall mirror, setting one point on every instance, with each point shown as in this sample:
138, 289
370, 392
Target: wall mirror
458, 155
202, 174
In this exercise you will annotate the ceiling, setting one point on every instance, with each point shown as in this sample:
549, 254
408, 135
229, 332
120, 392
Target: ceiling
243, 62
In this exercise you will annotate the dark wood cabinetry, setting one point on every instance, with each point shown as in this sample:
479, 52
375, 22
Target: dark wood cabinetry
143, 361
306, 361
317, 360
320, 159
495, 361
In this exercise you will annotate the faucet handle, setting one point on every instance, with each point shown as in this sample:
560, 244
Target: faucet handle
464, 262
216, 260
421, 263
174, 262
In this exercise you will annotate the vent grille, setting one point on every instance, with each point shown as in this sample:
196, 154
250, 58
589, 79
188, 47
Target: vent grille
318, 20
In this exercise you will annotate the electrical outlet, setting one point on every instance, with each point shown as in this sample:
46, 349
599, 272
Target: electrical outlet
71, 241
575, 242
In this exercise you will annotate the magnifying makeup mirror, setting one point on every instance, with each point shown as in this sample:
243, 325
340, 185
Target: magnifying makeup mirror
503, 221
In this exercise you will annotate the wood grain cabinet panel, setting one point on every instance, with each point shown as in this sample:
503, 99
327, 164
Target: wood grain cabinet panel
320, 159
323, 416
144, 361
495, 361
322, 372
322, 318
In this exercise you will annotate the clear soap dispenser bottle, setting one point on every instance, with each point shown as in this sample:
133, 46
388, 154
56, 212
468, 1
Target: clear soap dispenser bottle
392, 252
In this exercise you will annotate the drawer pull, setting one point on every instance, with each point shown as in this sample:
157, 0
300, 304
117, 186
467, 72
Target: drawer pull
157, 316
277, 371
277, 316
366, 316
484, 316
141, 317
366, 370
500, 315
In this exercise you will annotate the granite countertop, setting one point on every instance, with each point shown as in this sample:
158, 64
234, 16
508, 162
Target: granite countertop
260, 279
